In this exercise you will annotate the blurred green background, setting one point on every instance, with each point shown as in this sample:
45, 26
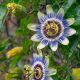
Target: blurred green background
14, 32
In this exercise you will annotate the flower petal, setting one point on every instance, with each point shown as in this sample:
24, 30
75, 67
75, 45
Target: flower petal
65, 23
59, 16
61, 11
42, 44
52, 71
70, 21
35, 37
39, 52
32, 26
46, 61
35, 55
54, 45
40, 15
49, 78
69, 32
64, 40
49, 9
51, 15
42, 19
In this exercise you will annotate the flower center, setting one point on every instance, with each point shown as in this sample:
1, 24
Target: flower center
52, 29
38, 72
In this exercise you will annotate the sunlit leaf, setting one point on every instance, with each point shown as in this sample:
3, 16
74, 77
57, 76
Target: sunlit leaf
14, 51
76, 73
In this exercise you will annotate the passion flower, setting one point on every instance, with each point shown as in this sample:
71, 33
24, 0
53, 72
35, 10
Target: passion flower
53, 28
39, 68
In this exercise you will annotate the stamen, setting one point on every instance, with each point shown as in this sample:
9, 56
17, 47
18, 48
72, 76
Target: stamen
52, 29
38, 72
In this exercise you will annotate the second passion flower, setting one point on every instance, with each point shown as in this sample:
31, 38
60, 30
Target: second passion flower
39, 69
53, 28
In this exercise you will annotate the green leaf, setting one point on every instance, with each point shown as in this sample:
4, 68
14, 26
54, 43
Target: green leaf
2, 12
16, 1
68, 77
26, 45
0, 24
3, 59
4, 44
15, 60
68, 5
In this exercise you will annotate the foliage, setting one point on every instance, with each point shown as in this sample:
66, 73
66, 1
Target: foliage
64, 59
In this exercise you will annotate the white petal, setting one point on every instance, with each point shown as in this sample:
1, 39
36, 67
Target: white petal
35, 55
35, 38
70, 32
39, 52
40, 14
64, 41
54, 46
49, 78
61, 11
70, 21
47, 61
52, 71
49, 9
32, 26
42, 45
